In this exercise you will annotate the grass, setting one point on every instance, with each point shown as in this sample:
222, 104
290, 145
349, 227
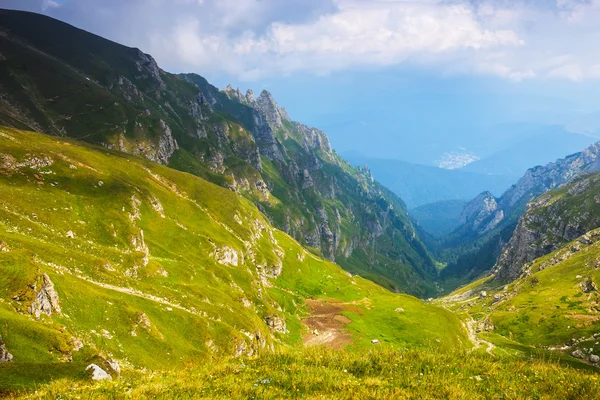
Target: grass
109, 277
321, 373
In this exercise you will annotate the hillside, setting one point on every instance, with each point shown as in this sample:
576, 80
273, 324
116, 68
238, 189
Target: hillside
107, 255
63, 81
544, 292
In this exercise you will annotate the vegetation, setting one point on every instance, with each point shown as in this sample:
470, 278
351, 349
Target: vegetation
141, 258
320, 373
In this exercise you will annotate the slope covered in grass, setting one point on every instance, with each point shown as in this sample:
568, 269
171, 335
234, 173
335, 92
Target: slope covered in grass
105, 254
317, 374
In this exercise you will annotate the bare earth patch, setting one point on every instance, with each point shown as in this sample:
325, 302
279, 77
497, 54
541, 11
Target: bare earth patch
327, 327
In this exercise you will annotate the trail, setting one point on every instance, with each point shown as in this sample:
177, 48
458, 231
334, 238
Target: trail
477, 341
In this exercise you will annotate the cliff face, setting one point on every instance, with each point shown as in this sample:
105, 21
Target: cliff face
551, 221
118, 97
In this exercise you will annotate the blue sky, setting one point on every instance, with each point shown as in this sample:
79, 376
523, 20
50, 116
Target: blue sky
381, 77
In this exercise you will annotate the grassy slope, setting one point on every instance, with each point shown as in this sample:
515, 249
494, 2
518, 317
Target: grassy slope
415, 374
106, 199
544, 310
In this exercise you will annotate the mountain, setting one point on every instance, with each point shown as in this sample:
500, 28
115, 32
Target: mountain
440, 218
418, 185
544, 290
63, 81
106, 256
488, 222
539, 147
550, 222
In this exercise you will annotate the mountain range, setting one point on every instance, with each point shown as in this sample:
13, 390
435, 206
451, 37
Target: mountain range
172, 239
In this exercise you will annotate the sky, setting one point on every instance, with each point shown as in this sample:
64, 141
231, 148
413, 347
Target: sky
386, 78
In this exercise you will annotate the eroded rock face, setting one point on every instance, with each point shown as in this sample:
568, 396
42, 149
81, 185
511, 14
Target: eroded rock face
46, 299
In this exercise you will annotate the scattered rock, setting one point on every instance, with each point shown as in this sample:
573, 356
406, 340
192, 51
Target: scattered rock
375, 341
399, 309
98, 374
70, 235
594, 359
497, 298
482, 294
316, 332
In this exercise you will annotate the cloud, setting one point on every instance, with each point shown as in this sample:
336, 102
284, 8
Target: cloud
252, 39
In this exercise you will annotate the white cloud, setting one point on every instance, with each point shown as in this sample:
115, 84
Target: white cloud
515, 39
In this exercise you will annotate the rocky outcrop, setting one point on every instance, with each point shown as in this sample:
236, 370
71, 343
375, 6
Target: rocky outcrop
482, 214
267, 106
5, 356
550, 222
46, 298
276, 323
226, 256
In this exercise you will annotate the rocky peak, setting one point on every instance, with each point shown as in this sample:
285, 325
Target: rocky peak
482, 213
250, 96
148, 67
266, 104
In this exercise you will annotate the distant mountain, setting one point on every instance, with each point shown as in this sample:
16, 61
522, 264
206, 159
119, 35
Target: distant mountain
536, 148
489, 222
439, 218
421, 184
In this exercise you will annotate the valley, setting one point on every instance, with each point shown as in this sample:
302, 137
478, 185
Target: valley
161, 237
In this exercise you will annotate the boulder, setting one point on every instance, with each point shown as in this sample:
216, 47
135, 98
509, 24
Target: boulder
482, 294
587, 285
578, 354
98, 374
594, 359
375, 341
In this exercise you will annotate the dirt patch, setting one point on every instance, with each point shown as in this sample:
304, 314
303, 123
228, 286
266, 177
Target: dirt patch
327, 327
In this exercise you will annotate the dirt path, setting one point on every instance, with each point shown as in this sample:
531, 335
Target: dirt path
326, 325
471, 326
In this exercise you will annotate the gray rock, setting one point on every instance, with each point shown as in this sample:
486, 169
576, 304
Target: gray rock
46, 299
5, 356
482, 294
587, 285
594, 359
375, 341
578, 354
276, 323
98, 374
